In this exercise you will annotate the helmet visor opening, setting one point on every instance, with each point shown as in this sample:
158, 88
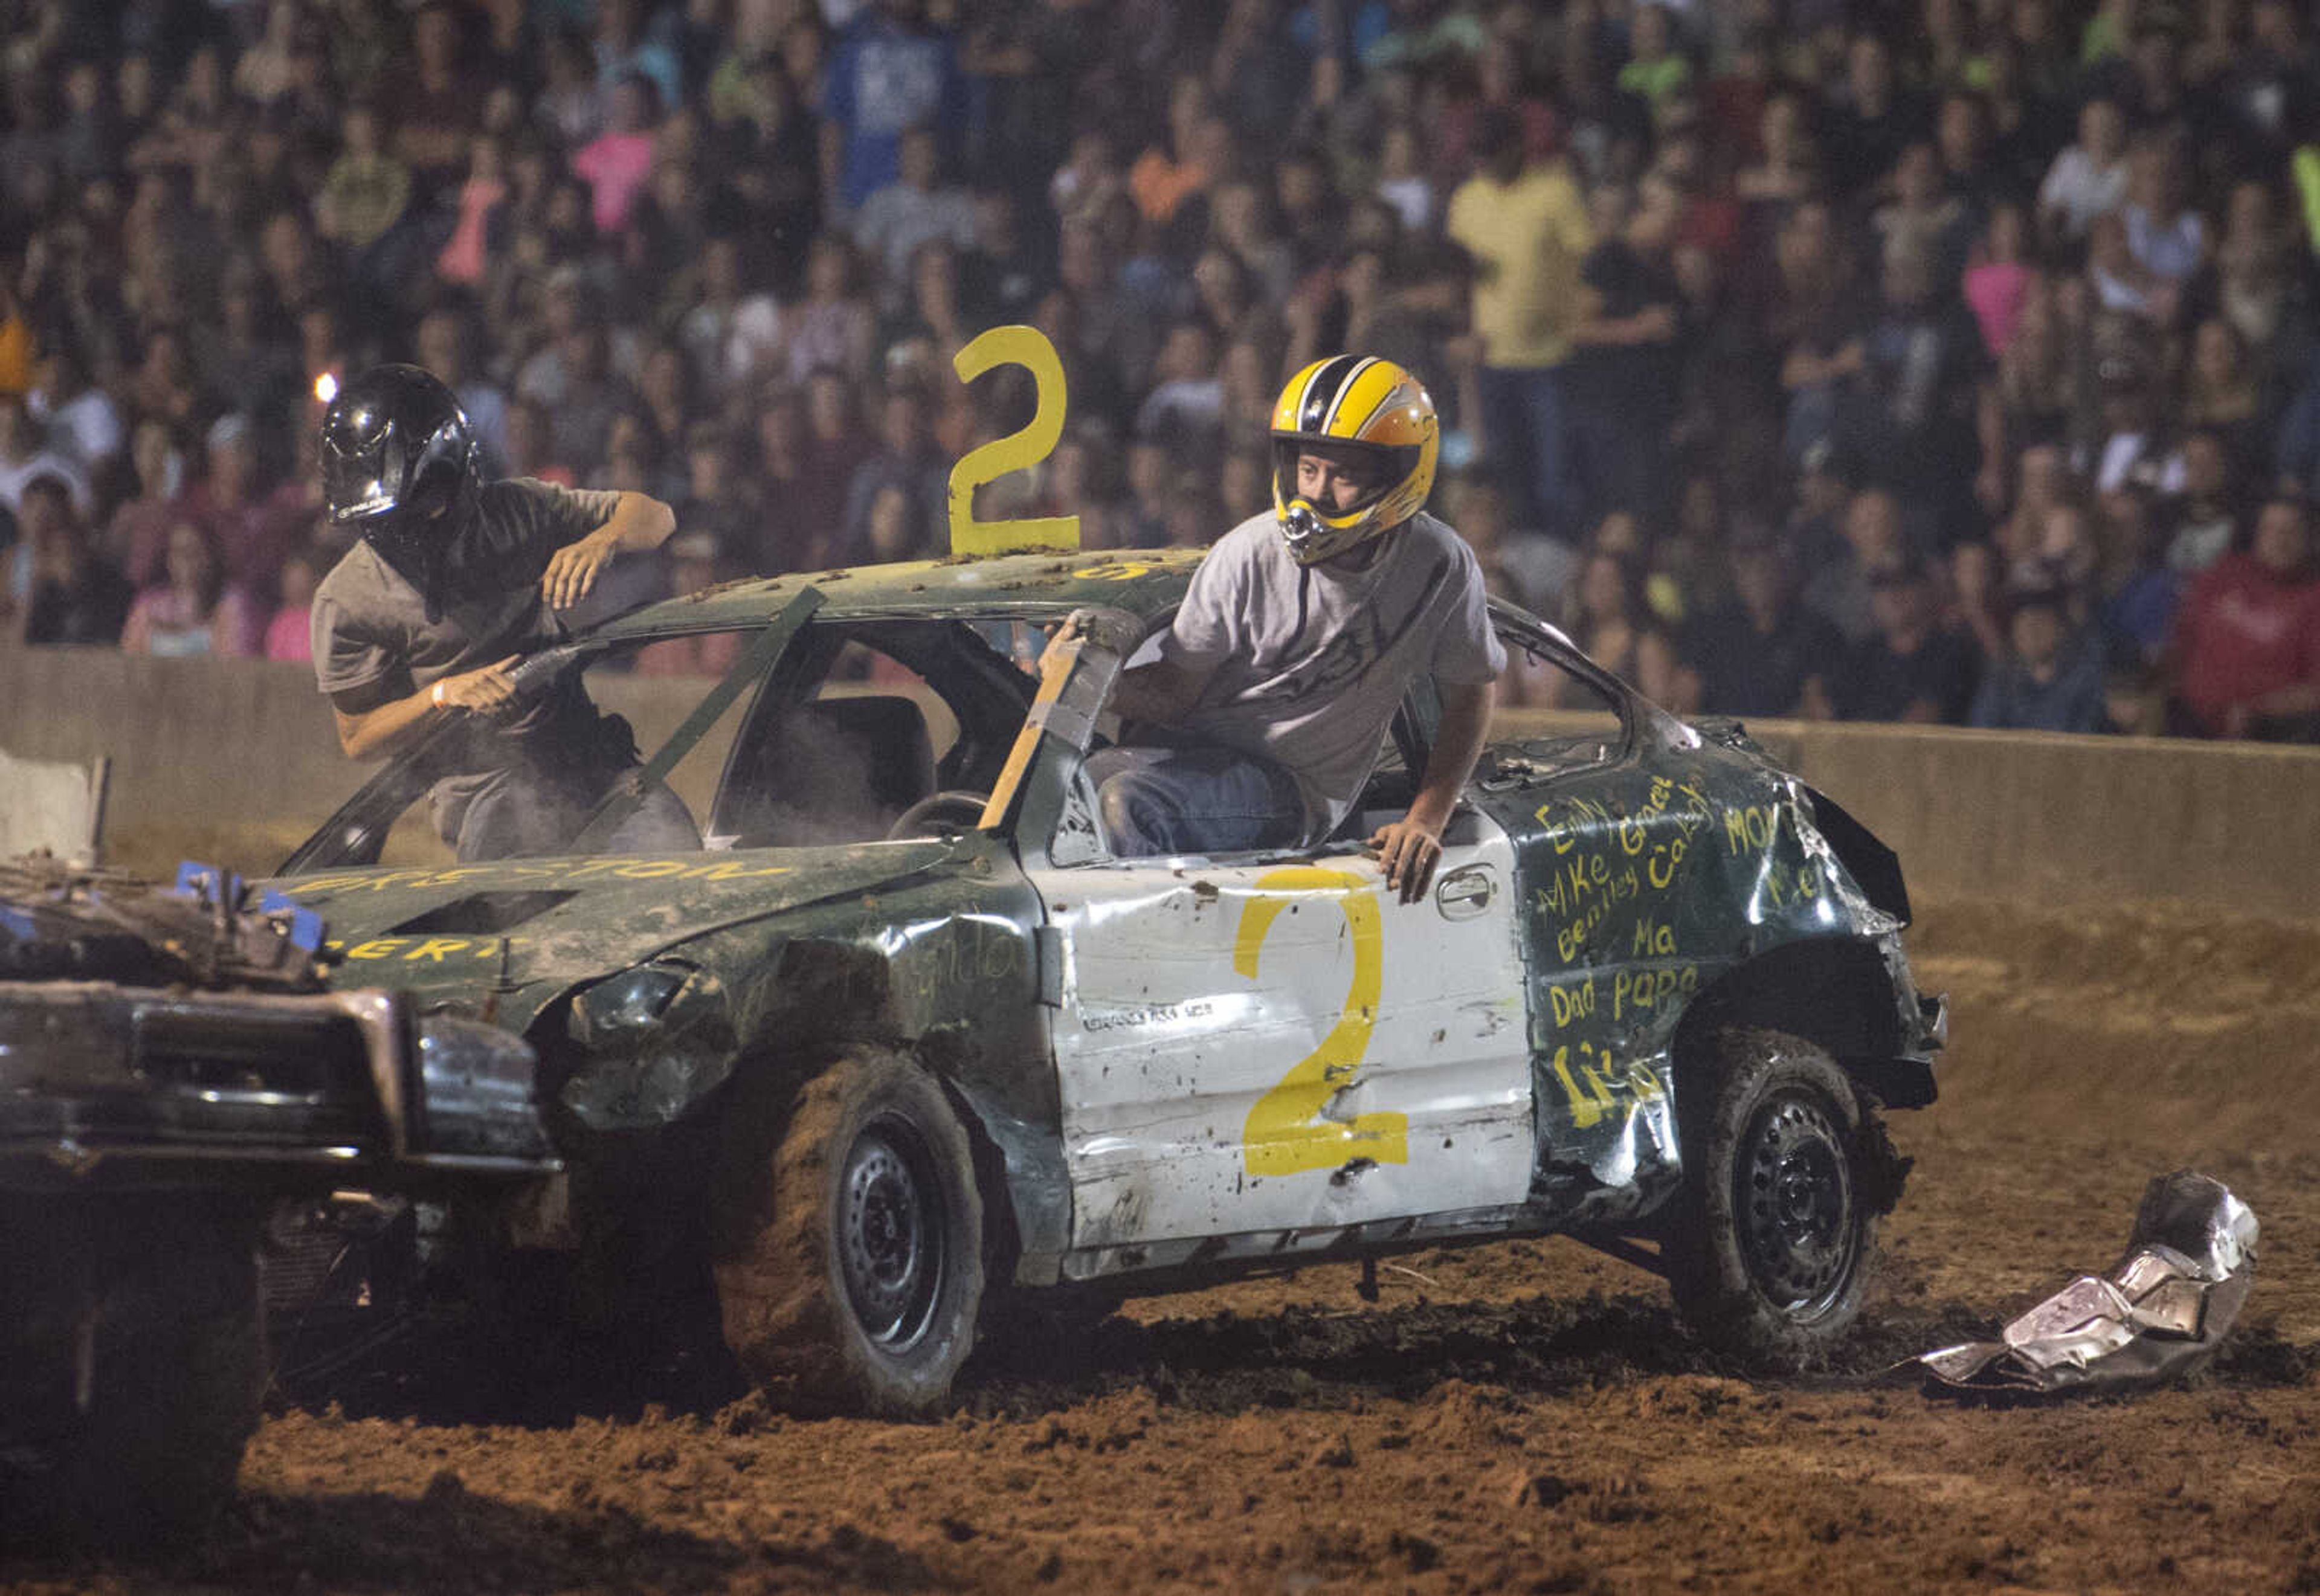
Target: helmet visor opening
1375, 469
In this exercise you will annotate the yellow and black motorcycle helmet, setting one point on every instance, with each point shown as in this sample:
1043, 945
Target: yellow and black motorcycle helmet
1371, 407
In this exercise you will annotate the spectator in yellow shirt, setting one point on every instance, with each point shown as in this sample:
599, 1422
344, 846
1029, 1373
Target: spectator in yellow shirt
366, 190
1524, 226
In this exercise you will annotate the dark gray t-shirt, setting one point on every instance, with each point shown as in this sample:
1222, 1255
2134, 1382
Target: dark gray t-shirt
373, 642
1307, 663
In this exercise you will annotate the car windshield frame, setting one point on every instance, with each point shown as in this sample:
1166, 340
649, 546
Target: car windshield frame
357, 831
774, 655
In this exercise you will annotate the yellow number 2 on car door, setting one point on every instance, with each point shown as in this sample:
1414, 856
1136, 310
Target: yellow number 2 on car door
1287, 1131
1028, 348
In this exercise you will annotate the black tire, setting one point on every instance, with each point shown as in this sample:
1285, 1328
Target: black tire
856, 1283
1772, 1244
174, 1372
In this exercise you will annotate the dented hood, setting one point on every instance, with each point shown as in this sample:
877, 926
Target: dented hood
525, 930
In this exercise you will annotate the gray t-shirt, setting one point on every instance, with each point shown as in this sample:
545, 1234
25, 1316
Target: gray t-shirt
373, 642
1307, 663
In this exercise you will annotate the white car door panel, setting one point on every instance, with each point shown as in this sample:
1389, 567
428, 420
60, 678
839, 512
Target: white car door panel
1285, 1045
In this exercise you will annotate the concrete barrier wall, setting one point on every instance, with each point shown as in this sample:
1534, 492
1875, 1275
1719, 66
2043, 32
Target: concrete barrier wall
237, 759
230, 760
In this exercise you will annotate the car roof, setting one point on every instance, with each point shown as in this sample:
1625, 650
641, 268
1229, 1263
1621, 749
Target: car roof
1145, 583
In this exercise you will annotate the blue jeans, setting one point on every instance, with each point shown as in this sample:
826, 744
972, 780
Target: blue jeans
1194, 801
1527, 432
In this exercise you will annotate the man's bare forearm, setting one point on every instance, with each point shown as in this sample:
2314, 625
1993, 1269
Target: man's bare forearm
637, 522
1458, 742
396, 725
387, 729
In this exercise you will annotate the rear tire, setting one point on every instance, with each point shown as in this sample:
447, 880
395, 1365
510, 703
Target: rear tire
1772, 1244
172, 1365
855, 1285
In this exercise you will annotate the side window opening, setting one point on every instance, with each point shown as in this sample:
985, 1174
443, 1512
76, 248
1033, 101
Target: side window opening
1588, 727
877, 718
638, 683
634, 681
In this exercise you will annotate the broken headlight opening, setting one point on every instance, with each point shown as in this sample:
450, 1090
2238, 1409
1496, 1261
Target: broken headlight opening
655, 1037
628, 1002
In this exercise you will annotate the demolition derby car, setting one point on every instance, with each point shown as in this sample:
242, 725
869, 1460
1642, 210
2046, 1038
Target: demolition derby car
906, 1039
173, 1070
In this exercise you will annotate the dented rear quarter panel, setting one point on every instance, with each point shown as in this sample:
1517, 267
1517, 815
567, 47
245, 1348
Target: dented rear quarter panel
1649, 883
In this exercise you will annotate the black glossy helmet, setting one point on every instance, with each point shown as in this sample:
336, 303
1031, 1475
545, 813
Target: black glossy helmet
397, 451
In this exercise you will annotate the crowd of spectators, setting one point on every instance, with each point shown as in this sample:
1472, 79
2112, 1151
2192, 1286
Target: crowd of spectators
1936, 359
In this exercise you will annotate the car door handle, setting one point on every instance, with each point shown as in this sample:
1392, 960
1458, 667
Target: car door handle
1464, 893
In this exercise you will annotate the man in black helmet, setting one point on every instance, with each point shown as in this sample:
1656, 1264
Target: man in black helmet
453, 579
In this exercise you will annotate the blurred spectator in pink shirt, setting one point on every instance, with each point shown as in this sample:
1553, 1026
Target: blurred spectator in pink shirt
468, 254
194, 609
139, 534
289, 635
251, 534
1997, 277
617, 161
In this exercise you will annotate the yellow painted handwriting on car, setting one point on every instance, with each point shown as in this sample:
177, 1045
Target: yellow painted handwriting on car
1020, 450
508, 874
1590, 1091
429, 949
1750, 830
1289, 1129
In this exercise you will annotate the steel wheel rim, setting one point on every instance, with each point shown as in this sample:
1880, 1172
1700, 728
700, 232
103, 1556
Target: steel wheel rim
1793, 1204
891, 1234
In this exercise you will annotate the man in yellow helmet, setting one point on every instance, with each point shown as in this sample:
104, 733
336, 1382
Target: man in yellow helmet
1299, 637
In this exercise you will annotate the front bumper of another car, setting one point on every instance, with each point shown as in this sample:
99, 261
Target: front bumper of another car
105, 1086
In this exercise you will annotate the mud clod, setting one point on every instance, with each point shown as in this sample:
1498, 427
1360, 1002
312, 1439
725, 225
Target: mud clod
1539, 1491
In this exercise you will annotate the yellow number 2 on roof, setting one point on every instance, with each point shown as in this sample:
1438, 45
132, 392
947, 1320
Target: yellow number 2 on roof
1028, 348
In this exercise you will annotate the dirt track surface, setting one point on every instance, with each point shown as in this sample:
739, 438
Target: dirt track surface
1520, 1416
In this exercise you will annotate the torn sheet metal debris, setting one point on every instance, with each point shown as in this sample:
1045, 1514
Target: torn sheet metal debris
2161, 1312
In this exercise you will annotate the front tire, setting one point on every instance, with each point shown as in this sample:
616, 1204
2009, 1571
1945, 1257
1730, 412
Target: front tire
137, 1361
1774, 1240
855, 1285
